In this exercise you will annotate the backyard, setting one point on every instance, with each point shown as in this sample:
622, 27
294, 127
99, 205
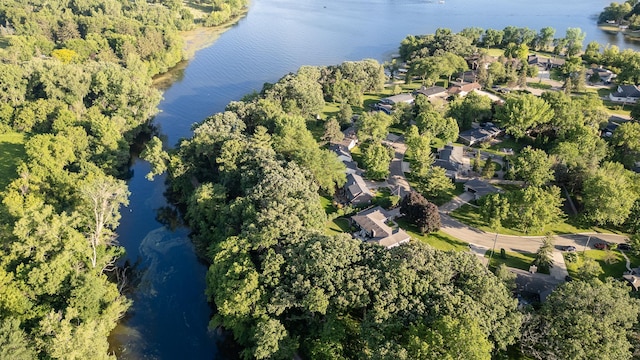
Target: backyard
516, 260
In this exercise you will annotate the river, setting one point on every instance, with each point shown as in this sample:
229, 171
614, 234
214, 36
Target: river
169, 317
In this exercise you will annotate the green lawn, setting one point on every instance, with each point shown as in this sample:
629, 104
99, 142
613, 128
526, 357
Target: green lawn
356, 155
327, 204
495, 52
11, 153
438, 240
539, 85
512, 259
614, 269
337, 226
330, 109
471, 216
508, 143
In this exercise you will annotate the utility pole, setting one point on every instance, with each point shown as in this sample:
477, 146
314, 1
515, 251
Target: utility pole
585, 245
493, 250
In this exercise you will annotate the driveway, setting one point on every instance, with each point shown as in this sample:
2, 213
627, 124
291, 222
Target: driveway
396, 179
456, 202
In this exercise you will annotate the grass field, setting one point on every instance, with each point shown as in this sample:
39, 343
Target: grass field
337, 226
512, 259
11, 153
470, 216
614, 269
438, 240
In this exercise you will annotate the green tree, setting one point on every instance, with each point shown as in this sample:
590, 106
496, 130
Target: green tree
376, 158
156, 156
435, 184
626, 142
449, 338
332, 131
519, 114
533, 166
494, 209
103, 197
489, 168
609, 194
544, 255
534, 207
14, 343
374, 127
583, 320
419, 150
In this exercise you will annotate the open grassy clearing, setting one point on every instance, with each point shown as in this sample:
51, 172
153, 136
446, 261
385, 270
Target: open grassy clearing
438, 240
11, 154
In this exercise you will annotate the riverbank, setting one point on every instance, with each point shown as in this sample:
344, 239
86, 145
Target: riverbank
631, 34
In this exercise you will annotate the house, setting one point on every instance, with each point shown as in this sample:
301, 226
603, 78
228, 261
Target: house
605, 75
385, 108
397, 99
431, 92
357, 191
628, 94
480, 135
350, 139
463, 89
544, 63
468, 76
451, 159
342, 151
480, 188
374, 229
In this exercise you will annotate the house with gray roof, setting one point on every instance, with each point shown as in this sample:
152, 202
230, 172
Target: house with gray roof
431, 92
626, 94
545, 63
480, 188
397, 99
374, 229
476, 136
451, 159
357, 191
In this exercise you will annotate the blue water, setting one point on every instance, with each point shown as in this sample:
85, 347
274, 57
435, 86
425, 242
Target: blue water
170, 313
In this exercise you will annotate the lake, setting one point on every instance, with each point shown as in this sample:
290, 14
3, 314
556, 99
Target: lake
170, 313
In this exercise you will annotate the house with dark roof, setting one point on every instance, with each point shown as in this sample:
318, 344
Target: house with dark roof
633, 277
451, 159
431, 92
480, 188
374, 229
462, 89
479, 135
626, 94
357, 191
544, 63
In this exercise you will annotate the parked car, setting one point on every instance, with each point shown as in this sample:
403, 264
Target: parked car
624, 247
601, 246
569, 248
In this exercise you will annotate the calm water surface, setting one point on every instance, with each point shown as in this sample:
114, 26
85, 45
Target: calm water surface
170, 313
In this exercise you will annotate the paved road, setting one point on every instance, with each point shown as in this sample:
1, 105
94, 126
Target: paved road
396, 175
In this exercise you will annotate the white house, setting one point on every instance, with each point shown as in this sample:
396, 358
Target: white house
628, 94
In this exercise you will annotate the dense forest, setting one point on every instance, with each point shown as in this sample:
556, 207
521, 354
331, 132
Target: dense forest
76, 87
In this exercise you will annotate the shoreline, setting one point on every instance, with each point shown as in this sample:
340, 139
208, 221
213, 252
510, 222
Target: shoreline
194, 40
